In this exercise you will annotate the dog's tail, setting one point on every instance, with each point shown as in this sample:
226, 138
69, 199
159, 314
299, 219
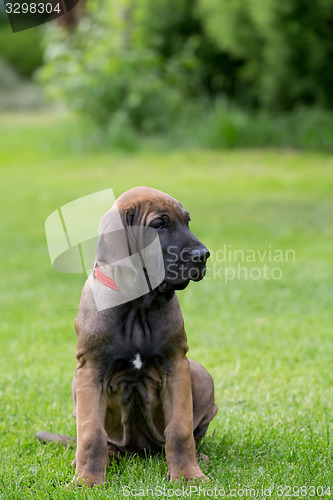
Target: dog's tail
50, 437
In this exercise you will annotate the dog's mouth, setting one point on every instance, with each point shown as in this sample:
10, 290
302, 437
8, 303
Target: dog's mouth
179, 276
199, 274
166, 286
181, 286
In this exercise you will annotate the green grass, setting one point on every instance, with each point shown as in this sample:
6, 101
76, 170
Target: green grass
267, 343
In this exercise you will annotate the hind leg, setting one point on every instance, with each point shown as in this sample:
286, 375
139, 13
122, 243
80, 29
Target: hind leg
204, 407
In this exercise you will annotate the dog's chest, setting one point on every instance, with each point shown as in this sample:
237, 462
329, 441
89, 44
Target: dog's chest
134, 366
134, 401
137, 363
137, 375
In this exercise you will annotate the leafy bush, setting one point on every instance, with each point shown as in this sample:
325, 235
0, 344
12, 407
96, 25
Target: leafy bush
23, 50
285, 49
93, 74
207, 72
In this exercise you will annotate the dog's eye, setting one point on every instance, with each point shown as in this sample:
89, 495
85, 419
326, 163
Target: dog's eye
157, 223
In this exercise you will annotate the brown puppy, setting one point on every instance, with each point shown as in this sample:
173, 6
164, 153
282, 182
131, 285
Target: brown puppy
134, 388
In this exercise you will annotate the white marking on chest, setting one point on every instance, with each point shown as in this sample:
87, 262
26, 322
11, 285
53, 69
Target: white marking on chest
137, 362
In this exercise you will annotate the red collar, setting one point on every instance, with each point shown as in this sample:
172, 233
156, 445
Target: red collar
103, 278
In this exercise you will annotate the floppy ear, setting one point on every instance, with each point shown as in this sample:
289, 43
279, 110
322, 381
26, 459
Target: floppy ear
134, 231
127, 217
113, 251
116, 257
145, 247
128, 253
113, 242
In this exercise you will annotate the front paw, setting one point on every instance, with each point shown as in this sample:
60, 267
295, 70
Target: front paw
189, 474
88, 481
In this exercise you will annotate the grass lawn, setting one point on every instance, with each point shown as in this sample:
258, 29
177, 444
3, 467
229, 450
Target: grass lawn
267, 342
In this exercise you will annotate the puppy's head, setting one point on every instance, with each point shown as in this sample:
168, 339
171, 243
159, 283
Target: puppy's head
147, 212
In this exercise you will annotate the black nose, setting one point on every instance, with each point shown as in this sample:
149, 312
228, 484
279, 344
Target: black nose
200, 255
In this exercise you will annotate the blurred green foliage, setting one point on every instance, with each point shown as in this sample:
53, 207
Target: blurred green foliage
147, 65
103, 81
286, 48
23, 50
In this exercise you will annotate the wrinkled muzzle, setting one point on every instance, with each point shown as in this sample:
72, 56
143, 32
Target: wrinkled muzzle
185, 264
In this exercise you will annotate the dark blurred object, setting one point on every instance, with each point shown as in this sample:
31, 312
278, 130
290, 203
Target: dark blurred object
73, 15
